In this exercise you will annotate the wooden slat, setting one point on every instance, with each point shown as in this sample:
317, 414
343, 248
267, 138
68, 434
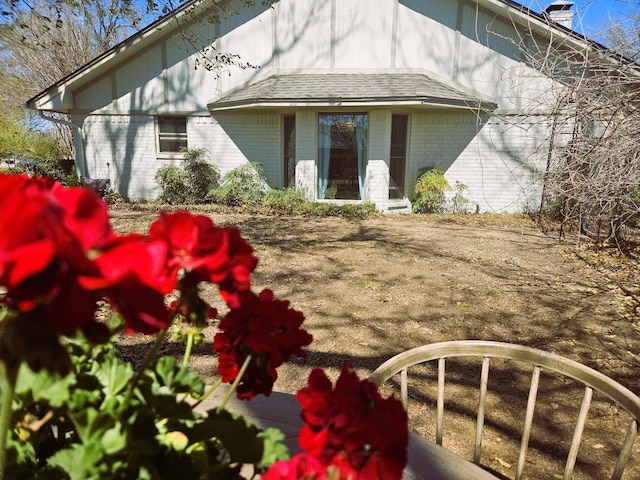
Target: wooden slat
440, 419
625, 452
577, 433
549, 361
484, 380
528, 420
404, 389
519, 353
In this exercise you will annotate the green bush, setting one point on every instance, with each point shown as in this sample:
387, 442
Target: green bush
287, 201
244, 185
190, 182
47, 168
112, 197
430, 192
171, 181
200, 176
352, 211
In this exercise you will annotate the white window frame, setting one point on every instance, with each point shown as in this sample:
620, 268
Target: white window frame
180, 137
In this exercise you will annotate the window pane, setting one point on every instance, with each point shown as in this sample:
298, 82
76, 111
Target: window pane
172, 124
289, 146
398, 155
172, 134
172, 145
342, 155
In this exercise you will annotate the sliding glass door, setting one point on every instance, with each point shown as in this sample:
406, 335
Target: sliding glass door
342, 155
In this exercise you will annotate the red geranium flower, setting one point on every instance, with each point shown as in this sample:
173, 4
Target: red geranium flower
48, 236
301, 467
265, 328
206, 252
343, 424
59, 254
305, 466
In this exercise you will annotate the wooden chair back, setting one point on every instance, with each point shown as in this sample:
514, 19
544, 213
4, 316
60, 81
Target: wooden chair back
590, 378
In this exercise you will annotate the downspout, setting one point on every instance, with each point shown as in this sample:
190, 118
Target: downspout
80, 137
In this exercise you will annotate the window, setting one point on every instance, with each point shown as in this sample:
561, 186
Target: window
398, 155
172, 134
342, 155
289, 147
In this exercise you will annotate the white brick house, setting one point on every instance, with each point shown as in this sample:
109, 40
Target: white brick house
351, 100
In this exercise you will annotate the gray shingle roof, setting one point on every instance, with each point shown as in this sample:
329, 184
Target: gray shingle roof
349, 88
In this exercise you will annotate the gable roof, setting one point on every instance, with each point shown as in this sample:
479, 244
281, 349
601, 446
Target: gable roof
168, 24
348, 89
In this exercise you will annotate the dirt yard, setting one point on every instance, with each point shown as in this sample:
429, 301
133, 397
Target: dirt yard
373, 288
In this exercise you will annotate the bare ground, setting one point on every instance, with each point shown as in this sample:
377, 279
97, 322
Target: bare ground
373, 288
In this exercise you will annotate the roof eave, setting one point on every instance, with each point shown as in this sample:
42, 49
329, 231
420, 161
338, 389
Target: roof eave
423, 102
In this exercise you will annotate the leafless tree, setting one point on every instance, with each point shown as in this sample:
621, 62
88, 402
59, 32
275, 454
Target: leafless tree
43, 41
591, 111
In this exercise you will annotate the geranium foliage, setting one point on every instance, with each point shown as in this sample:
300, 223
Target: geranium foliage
71, 408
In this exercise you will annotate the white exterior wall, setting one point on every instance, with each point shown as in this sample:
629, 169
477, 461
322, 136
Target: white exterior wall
452, 41
123, 148
232, 140
378, 168
307, 153
496, 160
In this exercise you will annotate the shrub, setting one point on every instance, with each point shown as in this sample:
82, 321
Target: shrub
459, 203
321, 209
190, 182
430, 192
170, 180
112, 197
552, 210
44, 167
200, 176
245, 184
287, 201
361, 210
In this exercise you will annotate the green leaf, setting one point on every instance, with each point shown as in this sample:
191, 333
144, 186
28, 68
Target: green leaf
175, 440
92, 424
274, 448
114, 374
80, 461
43, 386
240, 439
178, 378
114, 440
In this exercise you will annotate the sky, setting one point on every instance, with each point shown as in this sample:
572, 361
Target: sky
593, 15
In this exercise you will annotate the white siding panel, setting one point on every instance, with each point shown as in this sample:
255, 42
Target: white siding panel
95, 97
139, 84
189, 86
488, 62
363, 33
249, 35
426, 35
303, 35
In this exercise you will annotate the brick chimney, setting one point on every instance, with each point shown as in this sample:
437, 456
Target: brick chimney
560, 12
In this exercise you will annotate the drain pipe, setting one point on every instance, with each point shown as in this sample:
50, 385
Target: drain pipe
80, 136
